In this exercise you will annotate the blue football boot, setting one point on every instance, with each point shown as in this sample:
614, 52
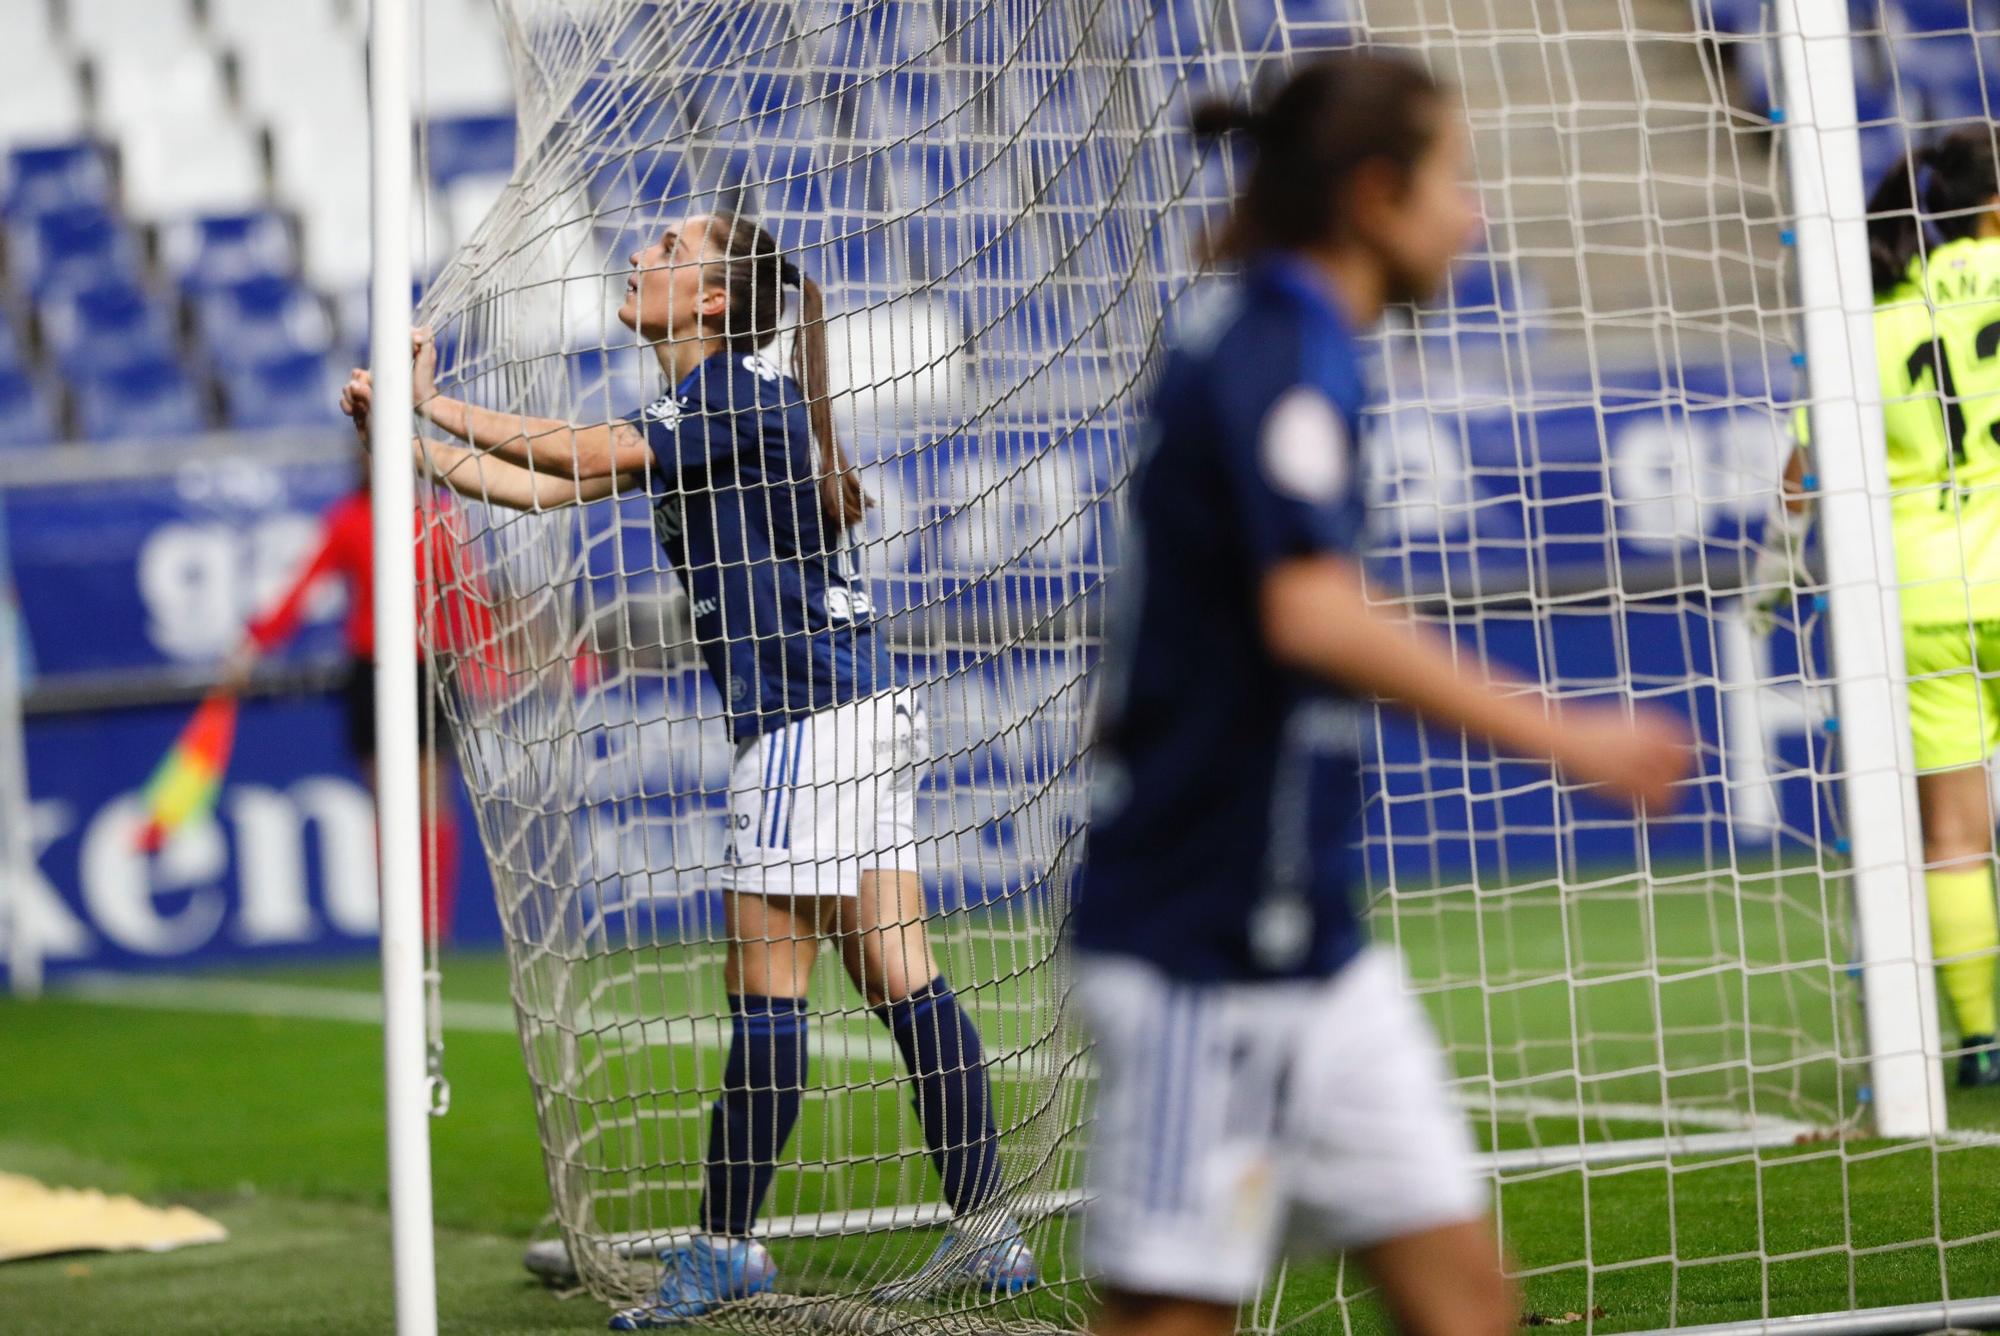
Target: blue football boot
1002, 1267
709, 1272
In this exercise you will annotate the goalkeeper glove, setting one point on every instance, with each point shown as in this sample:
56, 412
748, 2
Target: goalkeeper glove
1778, 567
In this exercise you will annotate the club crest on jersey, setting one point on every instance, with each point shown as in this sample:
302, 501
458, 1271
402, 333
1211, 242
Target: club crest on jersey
1304, 447
665, 410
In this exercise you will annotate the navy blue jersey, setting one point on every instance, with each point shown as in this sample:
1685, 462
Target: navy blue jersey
1228, 786
784, 626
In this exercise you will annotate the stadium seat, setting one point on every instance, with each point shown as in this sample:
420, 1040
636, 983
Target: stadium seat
793, 210
246, 24
467, 201
335, 251
41, 179
70, 248
463, 65
202, 253
181, 165
135, 87
41, 95
1734, 17
1882, 151
311, 78
27, 409
145, 399
612, 382
1316, 25
109, 323
316, 162
257, 319
299, 390
628, 191
1922, 16
97, 26
469, 146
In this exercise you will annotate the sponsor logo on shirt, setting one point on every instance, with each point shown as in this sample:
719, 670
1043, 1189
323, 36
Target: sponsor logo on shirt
665, 410
1304, 448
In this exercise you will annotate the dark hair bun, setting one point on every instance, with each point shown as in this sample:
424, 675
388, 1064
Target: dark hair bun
1215, 117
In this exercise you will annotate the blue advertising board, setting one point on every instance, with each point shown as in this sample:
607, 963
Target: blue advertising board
133, 576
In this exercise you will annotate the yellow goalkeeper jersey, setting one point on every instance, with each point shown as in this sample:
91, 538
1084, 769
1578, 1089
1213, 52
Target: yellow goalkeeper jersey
1937, 343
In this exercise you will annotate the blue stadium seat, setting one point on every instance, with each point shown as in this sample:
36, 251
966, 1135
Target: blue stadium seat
257, 319
470, 146
794, 212
1318, 25
144, 399
106, 324
27, 409
1941, 72
1882, 151
746, 100
70, 248
1735, 17
612, 382
296, 391
200, 254
1943, 15
49, 177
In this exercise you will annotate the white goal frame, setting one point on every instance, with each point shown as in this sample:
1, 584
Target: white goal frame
1823, 154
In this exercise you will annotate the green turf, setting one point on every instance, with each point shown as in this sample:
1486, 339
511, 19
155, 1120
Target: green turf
274, 1126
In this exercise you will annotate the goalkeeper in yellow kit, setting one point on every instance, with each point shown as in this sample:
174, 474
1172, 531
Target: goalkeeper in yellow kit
1937, 344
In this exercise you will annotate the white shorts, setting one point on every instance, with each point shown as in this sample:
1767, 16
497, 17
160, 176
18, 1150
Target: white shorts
818, 802
1236, 1122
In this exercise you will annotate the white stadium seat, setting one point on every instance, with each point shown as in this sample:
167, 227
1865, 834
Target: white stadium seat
136, 87
464, 62
97, 26
41, 96
336, 248
31, 25
307, 77
181, 165
244, 23
319, 160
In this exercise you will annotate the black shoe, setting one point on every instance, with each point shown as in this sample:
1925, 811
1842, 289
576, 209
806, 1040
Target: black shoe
1979, 1065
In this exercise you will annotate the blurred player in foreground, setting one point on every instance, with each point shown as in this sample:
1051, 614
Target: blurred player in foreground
1937, 349
752, 500
1264, 1078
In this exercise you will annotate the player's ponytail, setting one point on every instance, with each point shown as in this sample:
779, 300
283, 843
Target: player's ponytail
1952, 182
840, 491
1895, 232
755, 276
1326, 120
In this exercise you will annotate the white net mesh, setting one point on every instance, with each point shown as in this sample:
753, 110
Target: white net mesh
982, 191
1571, 468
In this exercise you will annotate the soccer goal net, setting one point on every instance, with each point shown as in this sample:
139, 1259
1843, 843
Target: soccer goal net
1678, 1049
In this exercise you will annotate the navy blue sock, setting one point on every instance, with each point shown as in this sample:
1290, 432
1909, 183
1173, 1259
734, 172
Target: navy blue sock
762, 1083
954, 1103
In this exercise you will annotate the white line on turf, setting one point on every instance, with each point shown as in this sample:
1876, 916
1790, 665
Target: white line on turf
829, 1042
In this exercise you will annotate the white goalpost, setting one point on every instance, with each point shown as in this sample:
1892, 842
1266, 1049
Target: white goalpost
1698, 1049
392, 498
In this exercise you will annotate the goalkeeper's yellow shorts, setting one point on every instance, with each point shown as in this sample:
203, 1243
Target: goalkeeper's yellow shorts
1954, 693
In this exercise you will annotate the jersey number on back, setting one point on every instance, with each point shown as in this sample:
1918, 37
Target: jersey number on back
1930, 356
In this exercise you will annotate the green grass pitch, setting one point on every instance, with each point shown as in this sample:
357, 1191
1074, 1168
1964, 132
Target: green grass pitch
272, 1123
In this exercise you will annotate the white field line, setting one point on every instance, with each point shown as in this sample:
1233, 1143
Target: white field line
833, 1042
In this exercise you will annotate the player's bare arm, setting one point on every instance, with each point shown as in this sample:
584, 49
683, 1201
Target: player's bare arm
1317, 617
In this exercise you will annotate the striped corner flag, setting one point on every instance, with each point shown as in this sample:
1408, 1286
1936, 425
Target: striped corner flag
189, 777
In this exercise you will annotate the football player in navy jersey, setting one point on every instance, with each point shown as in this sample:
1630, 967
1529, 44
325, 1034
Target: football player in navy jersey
753, 499
1265, 1080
